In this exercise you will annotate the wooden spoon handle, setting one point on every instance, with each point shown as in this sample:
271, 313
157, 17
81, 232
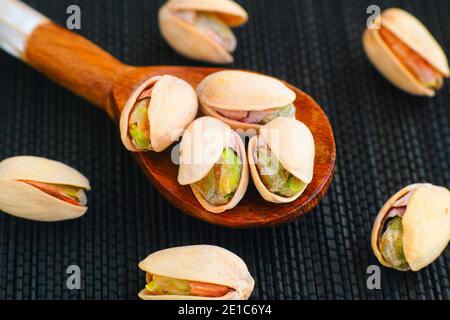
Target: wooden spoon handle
73, 62
62, 55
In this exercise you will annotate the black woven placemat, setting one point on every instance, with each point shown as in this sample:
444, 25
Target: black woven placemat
385, 140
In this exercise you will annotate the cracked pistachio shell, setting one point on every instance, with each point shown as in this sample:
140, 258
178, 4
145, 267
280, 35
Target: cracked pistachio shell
173, 105
426, 224
293, 145
241, 91
416, 36
25, 201
201, 147
201, 263
192, 43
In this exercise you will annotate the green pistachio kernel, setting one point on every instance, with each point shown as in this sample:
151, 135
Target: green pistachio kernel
273, 175
392, 245
139, 128
292, 187
287, 111
271, 171
220, 184
230, 173
163, 285
76, 193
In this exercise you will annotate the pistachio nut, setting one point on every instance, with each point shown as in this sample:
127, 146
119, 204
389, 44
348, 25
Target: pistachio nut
405, 52
413, 227
199, 272
40, 189
200, 29
157, 113
213, 162
281, 159
245, 100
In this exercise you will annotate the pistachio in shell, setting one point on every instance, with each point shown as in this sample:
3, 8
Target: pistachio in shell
201, 29
281, 159
406, 53
413, 227
245, 100
40, 189
213, 162
198, 272
157, 113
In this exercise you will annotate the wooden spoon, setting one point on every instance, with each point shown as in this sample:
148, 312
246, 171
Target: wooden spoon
92, 73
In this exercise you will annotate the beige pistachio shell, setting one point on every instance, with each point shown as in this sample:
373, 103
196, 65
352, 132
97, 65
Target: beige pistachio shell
293, 144
426, 224
200, 149
188, 41
415, 35
240, 90
42, 170
25, 201
173, 105
202, 263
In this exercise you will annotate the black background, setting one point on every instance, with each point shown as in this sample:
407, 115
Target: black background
385, 140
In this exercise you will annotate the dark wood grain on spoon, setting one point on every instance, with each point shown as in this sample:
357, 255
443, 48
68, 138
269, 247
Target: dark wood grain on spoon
92, 73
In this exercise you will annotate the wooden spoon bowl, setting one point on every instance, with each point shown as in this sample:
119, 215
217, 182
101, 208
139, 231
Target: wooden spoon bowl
87, 70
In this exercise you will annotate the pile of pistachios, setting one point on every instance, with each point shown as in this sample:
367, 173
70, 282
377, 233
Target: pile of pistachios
411, 230
213, 159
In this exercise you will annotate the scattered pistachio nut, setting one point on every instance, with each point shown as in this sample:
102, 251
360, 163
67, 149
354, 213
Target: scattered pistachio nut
200, 29
157, 113
39, 189
245, 100
213, 162
413, 227
405, 52
198, 272
281, 159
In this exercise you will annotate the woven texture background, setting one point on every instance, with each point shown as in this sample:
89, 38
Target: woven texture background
385, 140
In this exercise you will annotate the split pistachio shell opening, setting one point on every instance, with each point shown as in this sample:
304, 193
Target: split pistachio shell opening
281, 159
199, 272
405, 52
40, 189
245, 100
157, 113
214, 163
201, 29
413, 227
